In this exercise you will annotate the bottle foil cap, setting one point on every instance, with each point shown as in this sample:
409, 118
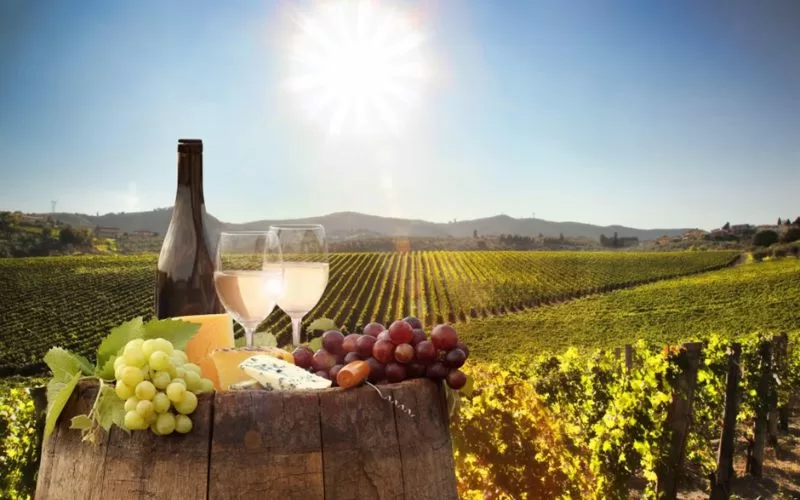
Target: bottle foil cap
190, 145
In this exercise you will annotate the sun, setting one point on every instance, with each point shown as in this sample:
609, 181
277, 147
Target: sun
356, 66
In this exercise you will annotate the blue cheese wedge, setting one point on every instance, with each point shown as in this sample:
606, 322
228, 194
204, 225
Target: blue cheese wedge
277, 374
249, 385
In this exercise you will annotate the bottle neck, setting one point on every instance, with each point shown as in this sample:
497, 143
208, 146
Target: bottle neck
190, 177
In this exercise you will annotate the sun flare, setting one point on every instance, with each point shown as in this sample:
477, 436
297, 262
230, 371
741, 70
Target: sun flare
356, 67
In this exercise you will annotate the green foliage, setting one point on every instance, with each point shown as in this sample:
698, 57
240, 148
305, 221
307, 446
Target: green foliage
765, 238
18, 448
74, 236
564, 426
792, 234
509, 444
760, 254
581, 426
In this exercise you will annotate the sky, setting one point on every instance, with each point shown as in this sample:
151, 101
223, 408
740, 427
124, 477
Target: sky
649, 114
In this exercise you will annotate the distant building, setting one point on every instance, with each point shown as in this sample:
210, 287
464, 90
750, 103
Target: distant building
696, 234
106, 232
144, 233
31, 219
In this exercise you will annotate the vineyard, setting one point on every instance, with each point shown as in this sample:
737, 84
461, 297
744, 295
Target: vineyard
71, 301
730, 302
552, 409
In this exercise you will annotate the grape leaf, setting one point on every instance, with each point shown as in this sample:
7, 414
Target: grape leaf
264, 339
260, 339
110, 409
177, 331
81, 422
60, 360
106, 372
86, 366
59, 389
452, 399
322, 324
315, 344
117, 339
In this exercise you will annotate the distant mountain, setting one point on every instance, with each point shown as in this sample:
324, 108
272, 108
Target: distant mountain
351, 225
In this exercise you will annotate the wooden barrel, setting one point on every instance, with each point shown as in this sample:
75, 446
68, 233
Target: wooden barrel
331, 444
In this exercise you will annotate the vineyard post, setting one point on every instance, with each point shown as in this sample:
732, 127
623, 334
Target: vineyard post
777, 368
755, 460
628, 357
679, 417
39, 397
783, 410
720, 488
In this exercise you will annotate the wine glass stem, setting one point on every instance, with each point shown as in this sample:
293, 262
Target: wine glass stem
296, 331
248, 336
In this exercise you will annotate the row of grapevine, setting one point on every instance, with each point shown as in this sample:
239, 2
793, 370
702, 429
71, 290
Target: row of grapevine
585, 426
730, 302
71, 301
454, 286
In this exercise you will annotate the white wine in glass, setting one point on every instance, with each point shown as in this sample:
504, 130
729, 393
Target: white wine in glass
305, 268
249, 277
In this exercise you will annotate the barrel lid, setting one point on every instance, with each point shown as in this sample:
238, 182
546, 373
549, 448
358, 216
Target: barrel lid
190, 145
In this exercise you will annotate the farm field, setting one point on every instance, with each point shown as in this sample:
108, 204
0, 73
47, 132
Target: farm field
72, 301
730, 302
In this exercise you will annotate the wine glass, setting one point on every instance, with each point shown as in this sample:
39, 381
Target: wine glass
305, 264
249, 276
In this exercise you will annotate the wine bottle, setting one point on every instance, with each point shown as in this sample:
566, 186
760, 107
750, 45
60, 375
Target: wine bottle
185, 275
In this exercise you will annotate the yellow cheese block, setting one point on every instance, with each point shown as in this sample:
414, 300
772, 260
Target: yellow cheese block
216, 332
227, 362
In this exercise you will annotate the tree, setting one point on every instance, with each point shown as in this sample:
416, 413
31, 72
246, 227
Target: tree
560, 236
791, 234
779, 221
765, 238
68, 236
786, 222
796, 222
727, 226
475, 233
71, 236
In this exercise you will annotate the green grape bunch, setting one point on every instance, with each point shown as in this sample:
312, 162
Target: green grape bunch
158, 385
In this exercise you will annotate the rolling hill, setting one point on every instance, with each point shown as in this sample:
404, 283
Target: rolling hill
343, 225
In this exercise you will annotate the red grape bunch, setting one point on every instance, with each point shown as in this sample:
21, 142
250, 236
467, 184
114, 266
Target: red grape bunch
402, 351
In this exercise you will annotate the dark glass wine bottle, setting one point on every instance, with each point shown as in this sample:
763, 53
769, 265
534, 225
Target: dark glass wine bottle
185, 275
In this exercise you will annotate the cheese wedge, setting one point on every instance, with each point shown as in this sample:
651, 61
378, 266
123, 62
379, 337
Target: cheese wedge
227, 361
248, 385
215, 332
279, 375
